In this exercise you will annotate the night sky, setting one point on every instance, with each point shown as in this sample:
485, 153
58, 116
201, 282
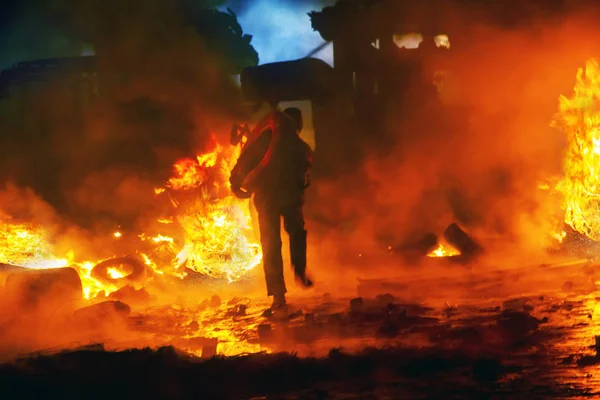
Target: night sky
286, 34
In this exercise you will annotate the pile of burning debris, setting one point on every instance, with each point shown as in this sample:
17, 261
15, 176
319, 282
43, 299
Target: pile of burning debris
459, 246
204, 233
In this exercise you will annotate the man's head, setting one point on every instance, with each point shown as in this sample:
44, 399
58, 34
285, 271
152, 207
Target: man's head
296, 115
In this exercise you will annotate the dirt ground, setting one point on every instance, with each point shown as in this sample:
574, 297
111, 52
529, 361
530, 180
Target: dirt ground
503, 333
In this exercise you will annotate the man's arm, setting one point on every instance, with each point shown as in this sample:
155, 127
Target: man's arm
251, 156
308, 159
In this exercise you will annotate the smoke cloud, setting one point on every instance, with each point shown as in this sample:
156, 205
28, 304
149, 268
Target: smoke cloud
476, 160
163, 87
166, 87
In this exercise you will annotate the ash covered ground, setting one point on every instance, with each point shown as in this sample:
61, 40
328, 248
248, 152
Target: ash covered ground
494, 333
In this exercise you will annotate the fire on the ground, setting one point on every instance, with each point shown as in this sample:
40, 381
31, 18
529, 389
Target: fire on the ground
216, 237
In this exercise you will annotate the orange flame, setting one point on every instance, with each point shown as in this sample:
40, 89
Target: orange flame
444, 250
216, 225
26, 245
579, 119
216, 238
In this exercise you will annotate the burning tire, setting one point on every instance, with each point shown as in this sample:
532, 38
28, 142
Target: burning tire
138, 275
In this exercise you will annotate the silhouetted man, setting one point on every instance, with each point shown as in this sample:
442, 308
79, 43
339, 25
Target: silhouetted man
274, 166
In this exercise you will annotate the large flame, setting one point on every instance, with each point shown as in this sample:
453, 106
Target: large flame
217, 225
26, 245
579, 118
214, 234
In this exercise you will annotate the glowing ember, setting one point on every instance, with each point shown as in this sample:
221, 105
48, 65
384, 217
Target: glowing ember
444, 250
161, 238
408, 41
115, 273
579, 118
559, 236
442, 41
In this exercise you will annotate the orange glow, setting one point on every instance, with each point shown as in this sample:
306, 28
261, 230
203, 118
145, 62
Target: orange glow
442, 41
115, 273
579, 119
444, 250
215, 231
26, 245
559, 236
408, 41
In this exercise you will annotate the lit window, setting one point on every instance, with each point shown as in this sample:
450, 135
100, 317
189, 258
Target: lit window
408, 40
442, 41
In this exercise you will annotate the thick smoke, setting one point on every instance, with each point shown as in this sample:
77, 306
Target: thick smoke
166, 85
479, 159
164, 88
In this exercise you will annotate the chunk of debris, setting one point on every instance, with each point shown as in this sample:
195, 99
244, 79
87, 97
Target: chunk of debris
241, 309
101, 312
518, 304
296, 314
468, 247
516, 325
233, 301
50, 289
356, 304
238, 311
416, 246
268, 313
265, 333
128, 294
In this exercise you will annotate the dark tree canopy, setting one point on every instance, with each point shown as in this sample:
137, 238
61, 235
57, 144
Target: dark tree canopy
37, 29
224, 36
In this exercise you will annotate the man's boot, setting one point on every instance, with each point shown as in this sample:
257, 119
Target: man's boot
303, 279
278, 302
278, 307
